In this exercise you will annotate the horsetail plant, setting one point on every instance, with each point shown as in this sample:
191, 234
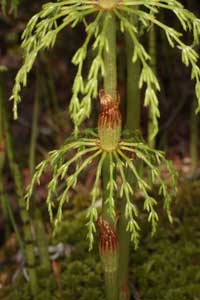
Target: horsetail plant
115, 151
121, 151
108, 242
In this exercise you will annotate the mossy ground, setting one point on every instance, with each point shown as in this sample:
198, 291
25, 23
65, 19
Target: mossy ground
165, 267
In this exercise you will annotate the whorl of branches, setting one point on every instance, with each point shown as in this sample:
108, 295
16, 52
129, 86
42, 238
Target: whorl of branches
42, 30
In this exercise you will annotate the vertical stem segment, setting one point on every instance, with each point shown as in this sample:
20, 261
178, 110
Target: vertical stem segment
41, 237
109, 252
133, 91
107, 225
6, 207
27, 232
132, 123
110, 60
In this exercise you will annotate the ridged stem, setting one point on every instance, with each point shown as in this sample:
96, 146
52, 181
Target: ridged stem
110, 60
133, 107
132, 122
110, 87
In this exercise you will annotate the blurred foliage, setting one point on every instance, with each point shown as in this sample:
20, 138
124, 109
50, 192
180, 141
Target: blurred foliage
10, 6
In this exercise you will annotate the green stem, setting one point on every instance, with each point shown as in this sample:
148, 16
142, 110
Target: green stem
152, 52
27, 232
194, 135
7, 210
133, 91
110, 60
14, 224
132, 123
34, 132
41, 237
110, 87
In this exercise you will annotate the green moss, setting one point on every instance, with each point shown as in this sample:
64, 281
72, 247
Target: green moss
165, 267
81, 273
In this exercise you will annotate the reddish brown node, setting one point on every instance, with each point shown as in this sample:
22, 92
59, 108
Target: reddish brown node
110, 115
108, 237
